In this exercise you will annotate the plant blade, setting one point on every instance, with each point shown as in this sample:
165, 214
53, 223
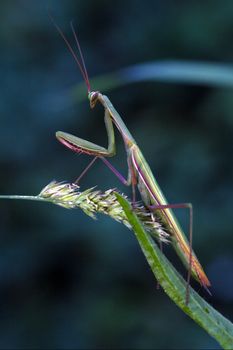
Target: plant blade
175, 286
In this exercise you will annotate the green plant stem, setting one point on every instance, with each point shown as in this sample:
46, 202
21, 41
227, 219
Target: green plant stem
175, 286
22, 197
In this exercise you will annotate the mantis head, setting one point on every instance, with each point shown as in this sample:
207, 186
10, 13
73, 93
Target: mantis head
93, 98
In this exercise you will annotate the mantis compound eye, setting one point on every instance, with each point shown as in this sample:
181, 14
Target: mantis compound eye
93, 98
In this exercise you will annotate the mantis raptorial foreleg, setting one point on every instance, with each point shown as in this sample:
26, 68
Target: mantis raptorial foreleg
88, 147
80, 145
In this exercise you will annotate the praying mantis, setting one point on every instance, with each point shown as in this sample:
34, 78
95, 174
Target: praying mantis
139, 172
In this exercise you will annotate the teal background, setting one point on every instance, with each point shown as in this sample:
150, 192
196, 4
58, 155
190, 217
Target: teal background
69, 282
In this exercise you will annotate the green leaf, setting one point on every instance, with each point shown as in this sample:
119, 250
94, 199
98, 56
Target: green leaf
182, 72
175, 286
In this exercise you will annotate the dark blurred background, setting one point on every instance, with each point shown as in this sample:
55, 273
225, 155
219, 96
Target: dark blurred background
67, 281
